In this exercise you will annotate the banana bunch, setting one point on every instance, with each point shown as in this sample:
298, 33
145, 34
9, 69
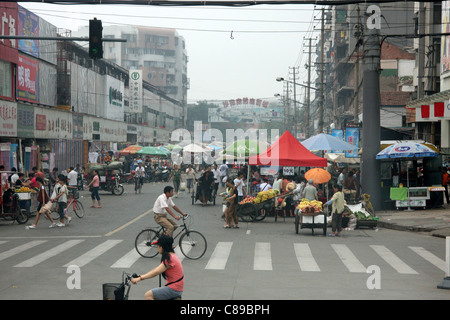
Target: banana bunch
23, 189
266, 195
305, 203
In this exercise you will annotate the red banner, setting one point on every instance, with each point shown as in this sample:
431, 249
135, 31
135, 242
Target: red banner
425, 111
8, 27
439, 109
27, 79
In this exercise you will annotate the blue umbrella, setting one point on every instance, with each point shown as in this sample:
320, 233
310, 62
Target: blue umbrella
407, 149
324, 141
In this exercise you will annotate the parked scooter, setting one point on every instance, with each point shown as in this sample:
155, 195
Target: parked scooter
112, 184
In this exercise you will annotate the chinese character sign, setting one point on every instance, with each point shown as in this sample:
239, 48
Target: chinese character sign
352, 137
8, 27
135, 91
27, 79
8, 119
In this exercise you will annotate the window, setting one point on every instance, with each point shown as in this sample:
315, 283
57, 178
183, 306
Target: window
5, 79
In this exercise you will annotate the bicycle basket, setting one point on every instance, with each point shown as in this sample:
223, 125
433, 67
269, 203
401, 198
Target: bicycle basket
76, 195
113, 291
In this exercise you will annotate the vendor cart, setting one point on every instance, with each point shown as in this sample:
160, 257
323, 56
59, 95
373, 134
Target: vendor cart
306, 220
28, 201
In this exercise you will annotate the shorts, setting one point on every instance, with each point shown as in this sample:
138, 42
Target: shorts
166, 293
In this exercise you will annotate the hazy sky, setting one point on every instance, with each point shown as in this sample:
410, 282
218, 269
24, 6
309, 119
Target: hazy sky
267, 41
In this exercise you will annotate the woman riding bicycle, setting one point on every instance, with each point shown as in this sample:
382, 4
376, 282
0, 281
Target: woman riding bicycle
170, 268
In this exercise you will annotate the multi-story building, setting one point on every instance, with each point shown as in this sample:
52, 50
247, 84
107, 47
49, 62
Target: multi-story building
159, 52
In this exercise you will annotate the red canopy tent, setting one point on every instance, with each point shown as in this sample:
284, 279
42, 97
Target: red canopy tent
287, 151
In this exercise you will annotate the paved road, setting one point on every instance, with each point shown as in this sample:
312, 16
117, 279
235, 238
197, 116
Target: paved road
263, 260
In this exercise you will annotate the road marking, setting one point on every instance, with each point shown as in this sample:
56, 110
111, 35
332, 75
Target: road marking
48, 254
20, 249
429, 257
2, 242
220, 256
305, 258
263, 256
93, 253
128, 223
129, 259
348, 258
393, 260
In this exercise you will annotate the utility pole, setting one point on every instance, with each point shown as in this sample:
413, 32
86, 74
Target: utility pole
308, 91
295, 120
321, 96
370, 166
356, 86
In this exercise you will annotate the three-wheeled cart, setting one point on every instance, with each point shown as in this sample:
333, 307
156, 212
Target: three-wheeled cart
197, 195
311, 221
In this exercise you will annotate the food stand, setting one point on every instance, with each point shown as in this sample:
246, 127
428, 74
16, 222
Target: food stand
310, 214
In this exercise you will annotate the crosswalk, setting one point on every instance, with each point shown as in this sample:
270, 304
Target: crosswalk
219, 258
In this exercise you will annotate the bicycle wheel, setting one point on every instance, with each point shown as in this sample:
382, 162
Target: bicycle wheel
78, 208
143, 243
193, 245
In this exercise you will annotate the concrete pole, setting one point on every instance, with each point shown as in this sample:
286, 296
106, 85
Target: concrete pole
370, 167
322, 70
308, 93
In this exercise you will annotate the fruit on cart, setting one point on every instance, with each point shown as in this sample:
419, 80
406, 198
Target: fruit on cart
310, 206
23, 189
266, 195
247, 200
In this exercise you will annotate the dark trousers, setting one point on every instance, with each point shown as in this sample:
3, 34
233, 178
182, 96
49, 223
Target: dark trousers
446, 194
336, 222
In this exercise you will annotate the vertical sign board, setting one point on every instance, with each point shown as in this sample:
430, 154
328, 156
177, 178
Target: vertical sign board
8, 27
337, 133
28, 25
27, 79
352, 137
114, 98
8, 119
135, 91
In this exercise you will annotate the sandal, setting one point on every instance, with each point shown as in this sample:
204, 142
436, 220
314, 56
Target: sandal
226, 226
92, 206
331, 235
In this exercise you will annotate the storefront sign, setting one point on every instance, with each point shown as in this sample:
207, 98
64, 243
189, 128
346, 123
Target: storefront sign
8, 27
114, 109
8, 119
25, 121
352, 137
58, 124
41, 122
27, 79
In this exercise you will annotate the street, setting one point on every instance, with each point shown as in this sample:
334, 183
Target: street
263, 260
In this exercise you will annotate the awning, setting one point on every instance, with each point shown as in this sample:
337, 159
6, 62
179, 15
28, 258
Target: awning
437, 97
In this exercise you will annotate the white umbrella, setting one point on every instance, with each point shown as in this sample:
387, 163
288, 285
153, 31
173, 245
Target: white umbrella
195, 148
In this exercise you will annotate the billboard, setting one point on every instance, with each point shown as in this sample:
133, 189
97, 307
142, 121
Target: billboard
8, 27
27, 79
28, 25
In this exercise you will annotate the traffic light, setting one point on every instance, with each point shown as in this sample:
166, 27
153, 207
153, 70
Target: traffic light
95, 39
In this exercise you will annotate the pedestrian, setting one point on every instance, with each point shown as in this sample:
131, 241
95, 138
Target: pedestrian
170, 268
163, 206
206, 182
239, 184
72, 180
300, 183
60, 194
231, 218
445, 183
44, 206
176, 179
190, 177
310, 191
337, 209
53, 178
341, 177
216, 174
223, 173
95, 183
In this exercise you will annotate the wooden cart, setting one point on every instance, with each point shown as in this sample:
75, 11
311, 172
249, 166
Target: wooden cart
310, 221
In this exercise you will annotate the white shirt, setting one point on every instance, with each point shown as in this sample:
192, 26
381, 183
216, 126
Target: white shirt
264, 186
140, 171
223, 169
14, 178
72, 176
216, 174
239, 188
161, 203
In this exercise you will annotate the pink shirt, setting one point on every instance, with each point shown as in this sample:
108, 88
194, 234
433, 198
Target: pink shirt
96, 181
174, 272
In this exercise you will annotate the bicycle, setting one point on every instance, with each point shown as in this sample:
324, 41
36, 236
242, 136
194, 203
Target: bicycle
192, 243
73, 204
119, 291
138, 182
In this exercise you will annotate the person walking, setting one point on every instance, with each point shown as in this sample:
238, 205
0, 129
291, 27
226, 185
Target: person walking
310, 192
206, 182
190, 177
176, 179
95, 183
170, 268
231, 218
337, 209
223, 173
239, 184
43, 200
60, 194
216, 174
163, 206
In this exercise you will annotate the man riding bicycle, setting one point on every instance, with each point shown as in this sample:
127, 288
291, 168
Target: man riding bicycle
140, 174
163, 206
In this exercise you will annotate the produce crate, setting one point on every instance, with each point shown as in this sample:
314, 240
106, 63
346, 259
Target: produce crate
24, 195
366, 223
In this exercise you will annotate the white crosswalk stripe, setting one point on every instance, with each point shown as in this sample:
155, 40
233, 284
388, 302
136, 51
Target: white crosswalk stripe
220, 256
263, 256
20, 249
48, 254
430, 257
305, 257
94, 253
393, 260
348, 258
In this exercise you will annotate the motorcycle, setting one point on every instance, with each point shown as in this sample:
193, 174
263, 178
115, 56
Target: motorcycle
111, 183
162, 174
